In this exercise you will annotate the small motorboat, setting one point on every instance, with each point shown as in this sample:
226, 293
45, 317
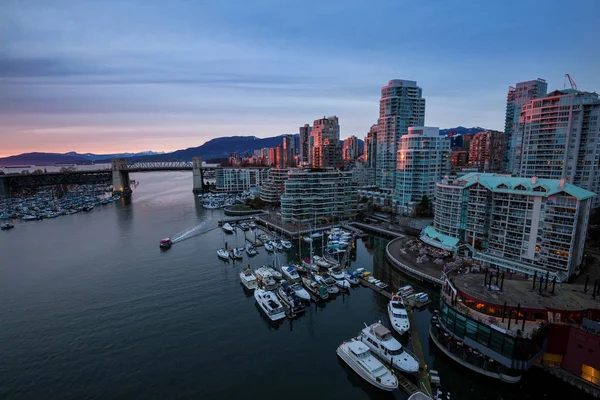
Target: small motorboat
269, 247
328, 281
248, 279
227, 228
245, 226
406, 290
307, 239
222, 253
421, 297
317, 235
30, 217
351, 278
277, 245
315, 287
252, 225
270, 304
286, 244
340, 278
165, 244
251, 250
380, 341
309, 266
290, 273
287, 295
235, 254
276, 274
7, 226
300, 291
398, 315
358, 357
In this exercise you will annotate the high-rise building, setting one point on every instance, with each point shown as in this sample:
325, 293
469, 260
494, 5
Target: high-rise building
289, 151
279, 156
311, 195
324, 143
272, 159
526, 225
423, 160
485, 151
561, 139
351, 150
272, 189
523, 93
370, 150
304, 153
401, 106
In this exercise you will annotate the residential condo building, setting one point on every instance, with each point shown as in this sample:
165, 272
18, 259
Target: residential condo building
561, 138
319, 195
527, 225
485, 151
351, 150
272, 189
401, 106
370, 150
240, 179
517, 96
324, 143
423, 160
304, 153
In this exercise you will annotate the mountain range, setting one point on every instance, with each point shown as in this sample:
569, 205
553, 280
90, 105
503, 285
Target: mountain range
217, 148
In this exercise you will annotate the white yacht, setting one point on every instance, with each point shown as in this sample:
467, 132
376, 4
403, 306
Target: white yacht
321, 262
270, 304
340, 278
228, 228
274, 273
315, 287
248, 279
236, 254
359, 358
266, 279
398, 315
300, 291
286, 244
251, 250
328, 281
290, 273
269, 246
380, 341
222, 253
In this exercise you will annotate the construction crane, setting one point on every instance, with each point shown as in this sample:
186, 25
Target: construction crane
571, 81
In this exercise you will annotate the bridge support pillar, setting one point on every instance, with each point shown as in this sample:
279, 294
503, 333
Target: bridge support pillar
4, 187
198, 175
120, 177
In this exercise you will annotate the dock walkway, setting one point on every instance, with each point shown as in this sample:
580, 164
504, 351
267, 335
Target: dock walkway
427, 274
424, 380
377, 229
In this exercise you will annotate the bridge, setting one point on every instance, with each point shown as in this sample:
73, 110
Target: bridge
118, 175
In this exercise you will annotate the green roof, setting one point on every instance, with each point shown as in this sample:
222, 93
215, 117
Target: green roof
509, 184
443, 239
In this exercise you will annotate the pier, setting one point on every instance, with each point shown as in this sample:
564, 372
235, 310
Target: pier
379, 290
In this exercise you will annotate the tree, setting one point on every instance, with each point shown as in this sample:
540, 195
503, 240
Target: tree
423, 208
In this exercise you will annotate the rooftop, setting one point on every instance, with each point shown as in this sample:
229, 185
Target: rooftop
530, 186
566, 297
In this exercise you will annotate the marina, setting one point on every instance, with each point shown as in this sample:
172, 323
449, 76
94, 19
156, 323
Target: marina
152, 300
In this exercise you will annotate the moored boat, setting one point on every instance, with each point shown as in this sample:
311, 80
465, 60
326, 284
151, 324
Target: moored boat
235, 254
380, 341
300, 291
7, 226
351, 277
266, 279
315, 287
277, 245
222, 253
228, 228
359, 358
340, 278
270, 304
328, 281
286, 244
321, 262
251, 250
398, 315
290, 273
269, 246
276, 274
287, 295
248, 279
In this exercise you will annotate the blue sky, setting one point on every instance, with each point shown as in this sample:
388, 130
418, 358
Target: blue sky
133, 75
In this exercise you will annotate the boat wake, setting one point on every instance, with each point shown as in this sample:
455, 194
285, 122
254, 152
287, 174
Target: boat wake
190, 233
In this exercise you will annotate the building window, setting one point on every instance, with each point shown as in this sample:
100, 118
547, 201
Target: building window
590, 374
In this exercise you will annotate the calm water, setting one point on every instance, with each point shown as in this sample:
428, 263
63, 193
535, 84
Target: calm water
91, 309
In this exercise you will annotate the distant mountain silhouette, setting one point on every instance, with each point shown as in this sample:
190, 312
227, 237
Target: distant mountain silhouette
43, 159
461, 130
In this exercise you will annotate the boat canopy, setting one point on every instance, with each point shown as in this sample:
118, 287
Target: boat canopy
165, 240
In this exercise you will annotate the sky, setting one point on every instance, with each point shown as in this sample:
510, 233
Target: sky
135, 75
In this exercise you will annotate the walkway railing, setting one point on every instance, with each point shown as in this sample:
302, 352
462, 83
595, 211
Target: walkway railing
412, 271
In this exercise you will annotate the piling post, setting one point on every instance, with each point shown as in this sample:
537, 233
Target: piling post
534, 278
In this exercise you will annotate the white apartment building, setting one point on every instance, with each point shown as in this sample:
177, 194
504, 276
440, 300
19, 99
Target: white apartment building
526, 225
240, 179
424, 158
401, 106
561, 139
313, 195
272, 189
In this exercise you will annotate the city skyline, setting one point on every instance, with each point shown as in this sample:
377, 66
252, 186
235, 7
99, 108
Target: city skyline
134, 76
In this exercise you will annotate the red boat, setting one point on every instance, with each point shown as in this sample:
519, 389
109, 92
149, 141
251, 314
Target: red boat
165, 244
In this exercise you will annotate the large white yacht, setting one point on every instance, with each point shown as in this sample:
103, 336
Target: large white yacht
266, 279
248, 279
398, 315
380, 341
270, 304
359, 358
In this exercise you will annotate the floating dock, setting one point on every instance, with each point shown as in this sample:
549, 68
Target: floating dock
424, 380
379, 290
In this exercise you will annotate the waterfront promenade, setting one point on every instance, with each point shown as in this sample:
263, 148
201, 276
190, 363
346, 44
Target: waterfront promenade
401, 259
